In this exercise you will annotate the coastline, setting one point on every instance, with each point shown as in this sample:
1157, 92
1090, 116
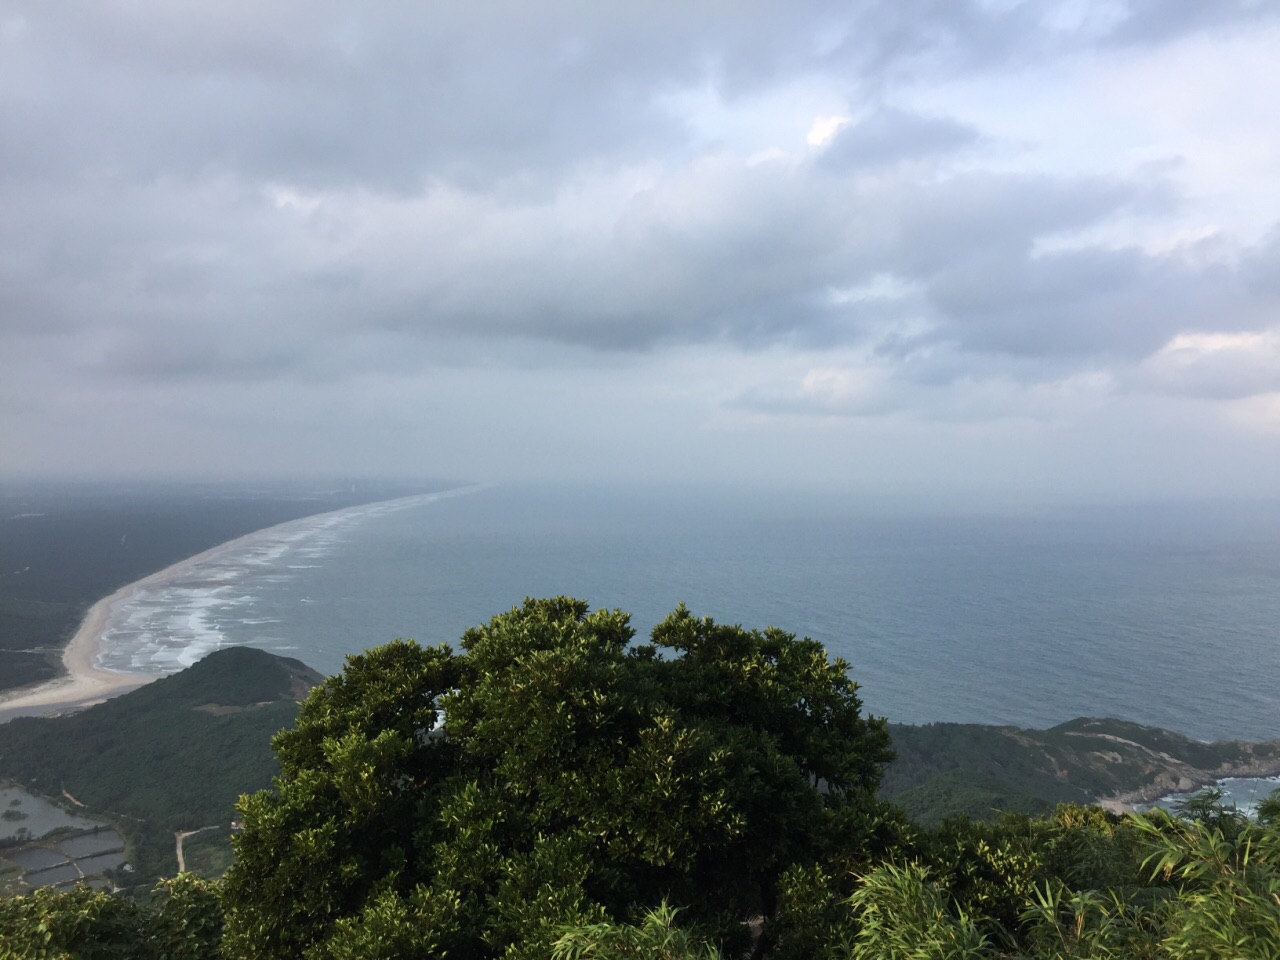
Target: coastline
85, 683
1132, 800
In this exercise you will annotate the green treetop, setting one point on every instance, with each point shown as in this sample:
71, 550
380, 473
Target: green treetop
575, 778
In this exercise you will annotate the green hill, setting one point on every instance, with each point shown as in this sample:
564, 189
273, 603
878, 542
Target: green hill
950, 768
173, 755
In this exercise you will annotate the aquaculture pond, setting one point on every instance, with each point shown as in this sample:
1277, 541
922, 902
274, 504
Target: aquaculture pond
49, 845
25, 816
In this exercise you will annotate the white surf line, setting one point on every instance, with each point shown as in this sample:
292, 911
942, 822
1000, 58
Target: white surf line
87, 683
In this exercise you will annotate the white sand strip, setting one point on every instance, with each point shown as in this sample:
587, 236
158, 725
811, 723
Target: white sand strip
87, 683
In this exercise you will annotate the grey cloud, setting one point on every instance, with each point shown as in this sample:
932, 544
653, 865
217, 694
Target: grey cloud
1080, 302
384, 98
388, 97
889, 136
371, 223
717, 252
1224, 375
945, 224
1154, 21
778, 402
887, 41
757, 264
721, 253
196, 358
1260, 269
1099, 302
133, 186
395, 93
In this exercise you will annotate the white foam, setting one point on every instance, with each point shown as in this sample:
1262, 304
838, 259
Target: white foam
164, 627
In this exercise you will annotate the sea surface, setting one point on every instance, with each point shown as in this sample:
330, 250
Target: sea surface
1165, 615
1243, 793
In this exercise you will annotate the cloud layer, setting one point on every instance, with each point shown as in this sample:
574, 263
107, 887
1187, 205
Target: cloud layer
241, 238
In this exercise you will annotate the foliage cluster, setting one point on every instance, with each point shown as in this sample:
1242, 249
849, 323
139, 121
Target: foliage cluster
1080, 885
182, 921
574, 776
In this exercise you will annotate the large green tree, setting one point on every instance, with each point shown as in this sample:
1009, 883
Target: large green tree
550, 774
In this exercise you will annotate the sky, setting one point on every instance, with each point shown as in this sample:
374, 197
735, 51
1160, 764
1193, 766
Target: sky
1014, 251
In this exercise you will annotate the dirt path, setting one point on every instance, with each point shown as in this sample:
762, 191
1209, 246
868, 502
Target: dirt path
179, 836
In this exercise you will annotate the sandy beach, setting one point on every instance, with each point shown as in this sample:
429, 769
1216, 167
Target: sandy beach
86, 683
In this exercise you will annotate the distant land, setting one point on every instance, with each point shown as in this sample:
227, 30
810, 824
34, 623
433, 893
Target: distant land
172, 758
64, 546
945, 769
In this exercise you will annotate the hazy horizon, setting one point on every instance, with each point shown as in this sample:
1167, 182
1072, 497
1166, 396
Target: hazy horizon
780, 498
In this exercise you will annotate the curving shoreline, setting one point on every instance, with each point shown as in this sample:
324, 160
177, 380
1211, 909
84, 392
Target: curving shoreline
1134, 800
86, 683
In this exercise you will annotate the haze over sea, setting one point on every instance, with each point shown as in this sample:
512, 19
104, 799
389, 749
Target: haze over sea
1166, 615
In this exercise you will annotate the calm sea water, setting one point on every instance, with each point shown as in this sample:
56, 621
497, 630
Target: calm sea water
1244, 793
1164, 615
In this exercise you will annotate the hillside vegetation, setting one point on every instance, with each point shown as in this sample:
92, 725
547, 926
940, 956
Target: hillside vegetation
178, 753
175, 754
944, 769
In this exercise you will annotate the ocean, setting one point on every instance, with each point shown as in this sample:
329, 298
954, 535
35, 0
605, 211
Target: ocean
1166, 615
1242, 793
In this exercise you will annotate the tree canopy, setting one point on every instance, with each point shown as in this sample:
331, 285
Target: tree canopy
551, 773
555, 790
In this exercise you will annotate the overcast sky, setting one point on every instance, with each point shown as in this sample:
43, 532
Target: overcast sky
1023, 250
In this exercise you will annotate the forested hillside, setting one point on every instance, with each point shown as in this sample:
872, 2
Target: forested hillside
175, 754
944, 769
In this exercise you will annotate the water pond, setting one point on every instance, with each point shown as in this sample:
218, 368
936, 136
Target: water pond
103, 861
89, 844
54, 876
25, 816
35, 858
